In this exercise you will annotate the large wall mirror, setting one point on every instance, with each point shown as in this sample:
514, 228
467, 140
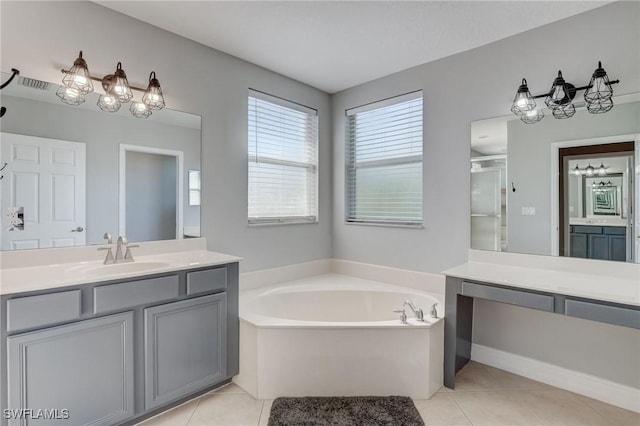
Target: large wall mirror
70, 174
562, 187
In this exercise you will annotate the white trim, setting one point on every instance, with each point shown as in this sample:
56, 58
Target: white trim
555, 176
122, 184
610, 392
384, 103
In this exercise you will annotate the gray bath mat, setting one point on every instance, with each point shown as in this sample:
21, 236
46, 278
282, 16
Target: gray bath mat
345, 411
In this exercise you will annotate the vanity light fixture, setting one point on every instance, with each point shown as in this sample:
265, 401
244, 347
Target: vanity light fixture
77, 82
589, 170
559, 99
602, 184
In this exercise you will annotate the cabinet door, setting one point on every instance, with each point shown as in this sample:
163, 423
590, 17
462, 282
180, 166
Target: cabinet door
578, 245
598, 247
185, 347
618, 247
82, 373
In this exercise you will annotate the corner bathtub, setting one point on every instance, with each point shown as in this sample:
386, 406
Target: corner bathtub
337, 335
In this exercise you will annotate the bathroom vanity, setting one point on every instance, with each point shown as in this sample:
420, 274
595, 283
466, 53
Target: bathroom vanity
599, 292
117, 343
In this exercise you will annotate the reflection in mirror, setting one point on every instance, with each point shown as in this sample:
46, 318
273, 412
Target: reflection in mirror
65, 169
567, 187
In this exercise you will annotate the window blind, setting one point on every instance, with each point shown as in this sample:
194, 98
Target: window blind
282, 142
384, 161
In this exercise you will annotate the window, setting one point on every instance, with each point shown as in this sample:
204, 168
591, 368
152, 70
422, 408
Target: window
384, 162
194, 187
283, 143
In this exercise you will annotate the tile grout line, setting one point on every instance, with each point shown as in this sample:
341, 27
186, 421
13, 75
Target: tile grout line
261, 411
194, 411
461, 410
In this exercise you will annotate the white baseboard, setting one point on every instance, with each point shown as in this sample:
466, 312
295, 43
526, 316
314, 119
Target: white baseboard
585, 384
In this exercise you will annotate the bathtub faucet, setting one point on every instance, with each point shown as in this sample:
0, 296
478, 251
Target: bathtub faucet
417, 312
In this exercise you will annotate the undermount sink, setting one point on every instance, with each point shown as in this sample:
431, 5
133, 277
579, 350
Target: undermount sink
125, 268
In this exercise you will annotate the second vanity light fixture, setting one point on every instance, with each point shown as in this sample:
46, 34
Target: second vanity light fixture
598, 97
590, 170
77, 83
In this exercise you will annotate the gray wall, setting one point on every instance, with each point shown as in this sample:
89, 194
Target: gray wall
151, 197
102, 133
195, 79
475, 85
529, 167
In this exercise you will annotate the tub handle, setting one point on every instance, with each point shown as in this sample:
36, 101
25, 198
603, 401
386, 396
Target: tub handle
403, 315
434, 312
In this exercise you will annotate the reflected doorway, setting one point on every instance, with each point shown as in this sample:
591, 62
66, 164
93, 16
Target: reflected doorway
596, 201
151, 193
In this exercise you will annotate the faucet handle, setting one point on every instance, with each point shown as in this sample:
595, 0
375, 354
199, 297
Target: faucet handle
403, 315
128, 256
109, 259
434, 311
107, 236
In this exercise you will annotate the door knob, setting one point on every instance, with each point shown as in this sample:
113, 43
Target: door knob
78, 229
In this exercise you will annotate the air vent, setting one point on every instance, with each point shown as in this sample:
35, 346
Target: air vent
33, 83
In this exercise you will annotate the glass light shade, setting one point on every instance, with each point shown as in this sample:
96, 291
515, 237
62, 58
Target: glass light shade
140, 110
560, 93
78, 76
119, 87
152, 97
602, 170
70, 96
599, 87
589, 170
532, 117
108, 103
576, 171
564, 111
523, 101
600, 107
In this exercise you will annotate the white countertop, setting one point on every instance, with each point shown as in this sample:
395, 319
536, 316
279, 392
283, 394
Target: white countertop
603, 287
598, 222
23, 278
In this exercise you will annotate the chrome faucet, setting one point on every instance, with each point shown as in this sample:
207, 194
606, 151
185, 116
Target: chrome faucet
417, 312
434, 311
403, 315
108, 260
127, 256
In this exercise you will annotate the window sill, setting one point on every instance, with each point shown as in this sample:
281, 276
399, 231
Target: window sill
260, 224
387, 224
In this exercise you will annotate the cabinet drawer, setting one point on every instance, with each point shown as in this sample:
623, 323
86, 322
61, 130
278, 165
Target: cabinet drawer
626, 317
34, 311
207, 280
124, 295
514, 297
582, 229
615, 230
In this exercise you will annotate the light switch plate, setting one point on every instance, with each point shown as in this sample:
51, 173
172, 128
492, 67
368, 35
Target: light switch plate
528, 211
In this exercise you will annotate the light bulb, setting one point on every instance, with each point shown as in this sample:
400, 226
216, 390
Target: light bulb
80, 80
602, 170
140, 106
72, 93
589, 170
558, 94
522, 102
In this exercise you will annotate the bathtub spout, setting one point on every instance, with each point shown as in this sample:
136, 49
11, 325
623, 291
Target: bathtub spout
417, 312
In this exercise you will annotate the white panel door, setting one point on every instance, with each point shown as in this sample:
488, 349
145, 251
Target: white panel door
45, 180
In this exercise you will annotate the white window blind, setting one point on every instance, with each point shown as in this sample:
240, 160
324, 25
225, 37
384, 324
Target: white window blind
283, 139
384, 161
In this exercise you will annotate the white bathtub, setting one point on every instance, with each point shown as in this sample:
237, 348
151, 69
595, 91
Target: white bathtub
337, 335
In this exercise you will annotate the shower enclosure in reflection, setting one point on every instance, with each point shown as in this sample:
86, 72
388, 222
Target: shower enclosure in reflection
489, 202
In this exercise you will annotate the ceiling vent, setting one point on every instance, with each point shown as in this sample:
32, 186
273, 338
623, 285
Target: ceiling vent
33, 83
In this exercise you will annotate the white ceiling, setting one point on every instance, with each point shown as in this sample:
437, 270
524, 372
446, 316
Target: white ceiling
334, 45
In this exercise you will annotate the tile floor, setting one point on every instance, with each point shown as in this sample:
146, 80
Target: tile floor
483, 396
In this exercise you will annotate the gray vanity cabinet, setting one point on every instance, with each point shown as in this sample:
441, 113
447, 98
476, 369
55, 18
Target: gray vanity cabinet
85, 368
119, 351
185, 347
598, 242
